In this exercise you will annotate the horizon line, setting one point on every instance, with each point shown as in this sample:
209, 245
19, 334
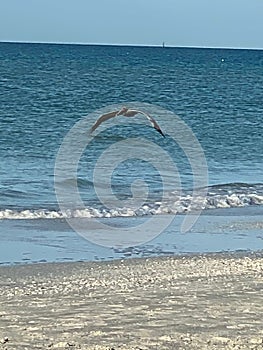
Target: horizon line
130, 45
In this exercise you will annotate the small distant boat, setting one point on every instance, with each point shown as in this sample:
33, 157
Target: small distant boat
163, 44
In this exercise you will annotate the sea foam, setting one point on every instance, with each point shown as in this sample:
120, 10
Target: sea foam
180, 206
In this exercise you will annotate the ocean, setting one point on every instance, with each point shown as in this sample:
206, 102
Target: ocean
92, 199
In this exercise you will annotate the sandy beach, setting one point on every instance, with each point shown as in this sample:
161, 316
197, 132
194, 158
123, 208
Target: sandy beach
210, 301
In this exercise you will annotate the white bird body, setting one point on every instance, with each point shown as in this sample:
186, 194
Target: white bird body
127, 113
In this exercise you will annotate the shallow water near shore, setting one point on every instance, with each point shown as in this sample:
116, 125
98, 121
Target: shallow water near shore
52, 240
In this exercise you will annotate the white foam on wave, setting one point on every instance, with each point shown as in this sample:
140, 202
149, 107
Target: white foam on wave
233, 200
182, 205
30, 214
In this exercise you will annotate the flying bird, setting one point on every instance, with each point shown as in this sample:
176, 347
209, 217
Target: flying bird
127, 113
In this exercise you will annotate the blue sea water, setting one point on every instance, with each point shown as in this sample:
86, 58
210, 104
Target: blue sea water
45, 89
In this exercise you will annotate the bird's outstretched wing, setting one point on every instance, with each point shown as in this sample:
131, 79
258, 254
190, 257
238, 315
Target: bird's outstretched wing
132, 112
102, 119
154, 123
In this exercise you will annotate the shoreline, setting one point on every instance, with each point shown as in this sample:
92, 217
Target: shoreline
49, 240
191, 255
190, 302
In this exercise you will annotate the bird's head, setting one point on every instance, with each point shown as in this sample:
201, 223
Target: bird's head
122, 111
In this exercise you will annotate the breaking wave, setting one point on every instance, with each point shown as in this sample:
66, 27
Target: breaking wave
218, 196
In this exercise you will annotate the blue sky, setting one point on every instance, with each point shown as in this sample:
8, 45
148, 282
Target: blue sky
202, 23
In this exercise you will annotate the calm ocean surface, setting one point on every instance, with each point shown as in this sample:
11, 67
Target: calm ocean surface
46, 88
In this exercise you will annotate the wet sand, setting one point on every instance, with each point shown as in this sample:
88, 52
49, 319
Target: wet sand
211, 301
